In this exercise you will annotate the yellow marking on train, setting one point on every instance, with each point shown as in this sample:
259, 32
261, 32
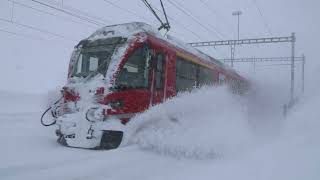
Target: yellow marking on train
191, 59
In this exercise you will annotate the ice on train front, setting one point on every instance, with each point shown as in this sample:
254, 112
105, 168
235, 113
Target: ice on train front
107, 84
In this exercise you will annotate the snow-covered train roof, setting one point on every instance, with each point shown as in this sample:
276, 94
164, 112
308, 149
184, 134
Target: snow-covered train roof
123, 30
128, 30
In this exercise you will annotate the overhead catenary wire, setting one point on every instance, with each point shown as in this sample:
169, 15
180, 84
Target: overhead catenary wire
77, 11
51, 14
195, 20
21, 35
180, 24
70, 13
218, 33
180, 8
215, 13
262, 17
165, 25
125, 10
152, 10
165, 13
37, 29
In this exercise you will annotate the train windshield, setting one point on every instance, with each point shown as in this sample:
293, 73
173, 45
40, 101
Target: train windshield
95, 57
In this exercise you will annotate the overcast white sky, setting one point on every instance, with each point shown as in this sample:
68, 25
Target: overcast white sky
39, 62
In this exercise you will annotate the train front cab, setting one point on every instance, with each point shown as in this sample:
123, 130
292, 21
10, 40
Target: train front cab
144, 78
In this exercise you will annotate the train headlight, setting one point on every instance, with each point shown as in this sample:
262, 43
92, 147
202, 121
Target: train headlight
94, 114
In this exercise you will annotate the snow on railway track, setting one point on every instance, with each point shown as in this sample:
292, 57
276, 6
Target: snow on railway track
28, 151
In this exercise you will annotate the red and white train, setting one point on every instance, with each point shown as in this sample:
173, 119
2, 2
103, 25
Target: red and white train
122, 70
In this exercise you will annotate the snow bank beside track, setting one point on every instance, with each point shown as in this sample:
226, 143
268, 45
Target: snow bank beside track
13, 102
208, 122
30, 151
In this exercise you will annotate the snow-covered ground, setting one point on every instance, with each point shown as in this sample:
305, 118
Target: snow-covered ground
209, 134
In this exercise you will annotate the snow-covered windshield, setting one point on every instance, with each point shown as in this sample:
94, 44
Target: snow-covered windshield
95, 56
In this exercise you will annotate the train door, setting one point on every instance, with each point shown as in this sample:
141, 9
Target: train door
158, 79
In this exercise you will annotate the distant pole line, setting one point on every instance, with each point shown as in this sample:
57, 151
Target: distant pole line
267, 40
255, 41
265, 59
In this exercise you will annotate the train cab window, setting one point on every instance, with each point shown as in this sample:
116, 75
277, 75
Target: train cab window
134, 73
186, 75
93, 64
159, 70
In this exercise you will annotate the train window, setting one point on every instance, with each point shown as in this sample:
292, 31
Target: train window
93, 64
160, 71
205, 76
186, 75
79, 65
134, 72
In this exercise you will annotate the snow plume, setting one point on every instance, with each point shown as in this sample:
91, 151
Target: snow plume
205, 123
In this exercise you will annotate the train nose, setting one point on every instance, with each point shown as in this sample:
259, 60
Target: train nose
70, 94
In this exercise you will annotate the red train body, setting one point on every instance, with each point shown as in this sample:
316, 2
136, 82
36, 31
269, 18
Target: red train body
122, 70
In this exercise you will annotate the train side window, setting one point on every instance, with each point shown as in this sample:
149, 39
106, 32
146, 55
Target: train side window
160, 71
205, 76
186, 75
79, 65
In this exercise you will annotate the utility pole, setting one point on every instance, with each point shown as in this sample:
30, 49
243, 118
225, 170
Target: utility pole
254, 65
233, 46
292, 67
233, 49
238, 13
12, 11
303, 63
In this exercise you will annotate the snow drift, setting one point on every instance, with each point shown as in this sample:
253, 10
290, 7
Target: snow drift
30, 152
14, 102
204, 123
210, 122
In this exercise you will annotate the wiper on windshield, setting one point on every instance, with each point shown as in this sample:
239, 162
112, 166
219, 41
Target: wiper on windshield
80, 74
